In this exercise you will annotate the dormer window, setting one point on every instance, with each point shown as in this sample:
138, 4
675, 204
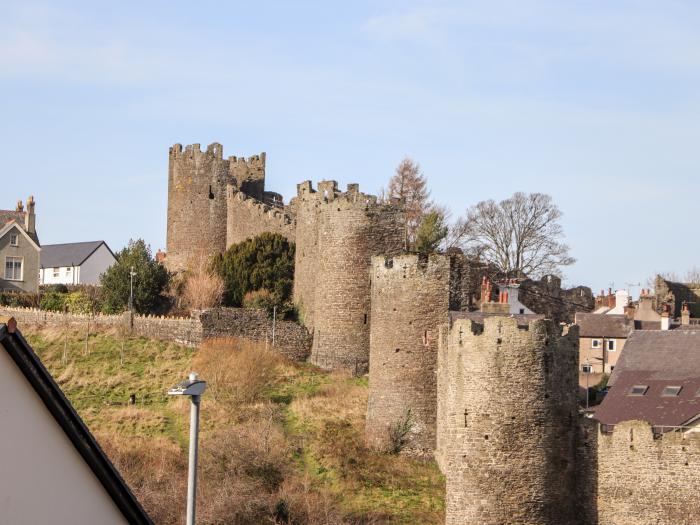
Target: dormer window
671, 391
638, 390
14, 239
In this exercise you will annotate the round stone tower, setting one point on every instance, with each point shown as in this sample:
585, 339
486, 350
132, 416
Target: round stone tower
337, 234
196, 203
410, 299
507, 421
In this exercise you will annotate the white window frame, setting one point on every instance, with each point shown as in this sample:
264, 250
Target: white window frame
596, 343
614, 345
21, 268
14, 239
56, 271
589, 366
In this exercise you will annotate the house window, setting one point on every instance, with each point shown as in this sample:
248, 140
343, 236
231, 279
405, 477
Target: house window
612, 346
595, 343
638, 390
55, 272
14, 239
671, 391
68, 270
587, 368
13, 268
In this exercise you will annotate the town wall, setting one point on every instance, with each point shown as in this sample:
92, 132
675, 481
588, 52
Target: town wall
196, 204
547, 297
466, 275
643, 480
215, 202
409, 298
507, 421
342, 231
247, 217
290, 339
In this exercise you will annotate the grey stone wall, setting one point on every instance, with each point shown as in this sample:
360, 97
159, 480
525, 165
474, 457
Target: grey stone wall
465, 281
247, 217
342, 233
196, 203
547, 297
409, 302
508, 419
214, 202
647, 481
30, 263
291, 340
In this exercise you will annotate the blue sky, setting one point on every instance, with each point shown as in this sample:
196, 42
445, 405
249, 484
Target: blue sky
595, 103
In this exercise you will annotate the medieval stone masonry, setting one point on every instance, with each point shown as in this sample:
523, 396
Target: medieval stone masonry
507, 422
492, 396
337, 234
214, 202
410, 296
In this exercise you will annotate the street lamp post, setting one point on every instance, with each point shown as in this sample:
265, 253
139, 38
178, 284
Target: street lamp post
193, 387
132, 273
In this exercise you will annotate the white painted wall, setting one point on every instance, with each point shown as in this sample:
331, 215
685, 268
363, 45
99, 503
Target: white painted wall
87, 273
96, 265
622, 299
43, 479
516, 307
66, 275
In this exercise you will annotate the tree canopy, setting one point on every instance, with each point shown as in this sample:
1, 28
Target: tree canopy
263, 262
150, 280
521, 235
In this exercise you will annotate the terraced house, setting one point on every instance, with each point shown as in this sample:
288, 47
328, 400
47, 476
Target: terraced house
19, 249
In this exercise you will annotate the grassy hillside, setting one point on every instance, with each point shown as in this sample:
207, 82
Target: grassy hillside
281, 442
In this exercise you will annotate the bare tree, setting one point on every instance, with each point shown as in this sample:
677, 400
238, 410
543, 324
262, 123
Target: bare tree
203, 287
410, 186
520, 235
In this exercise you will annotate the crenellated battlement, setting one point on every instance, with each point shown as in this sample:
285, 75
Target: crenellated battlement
328, 193
410, 265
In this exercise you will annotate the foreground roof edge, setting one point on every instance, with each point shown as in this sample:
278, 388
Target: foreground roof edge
68, 419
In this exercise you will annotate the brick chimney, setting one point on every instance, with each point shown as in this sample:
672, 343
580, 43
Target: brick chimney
685, 314
487, 306
666, 318
29, 216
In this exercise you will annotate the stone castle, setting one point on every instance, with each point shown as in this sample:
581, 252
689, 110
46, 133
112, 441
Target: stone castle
492, 396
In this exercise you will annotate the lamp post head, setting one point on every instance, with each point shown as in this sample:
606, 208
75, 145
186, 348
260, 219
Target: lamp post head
192, 387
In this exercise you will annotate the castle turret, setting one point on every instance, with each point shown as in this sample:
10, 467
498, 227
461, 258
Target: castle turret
202, 186
196, 204
507, 421
410, 296
337, 234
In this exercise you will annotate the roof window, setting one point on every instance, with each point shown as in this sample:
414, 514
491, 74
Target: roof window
671, 391
638, 390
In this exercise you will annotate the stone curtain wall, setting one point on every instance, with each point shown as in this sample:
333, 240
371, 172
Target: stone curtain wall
547, 297
247, 217
291, 340
341, 232
214, 202
465, 282
647, 481
509, 422
409, 302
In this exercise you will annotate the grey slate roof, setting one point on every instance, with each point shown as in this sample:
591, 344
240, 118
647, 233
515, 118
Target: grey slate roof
603, 325
70, 254
657, 359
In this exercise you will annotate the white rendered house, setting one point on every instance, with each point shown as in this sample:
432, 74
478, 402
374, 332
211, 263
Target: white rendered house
74, 263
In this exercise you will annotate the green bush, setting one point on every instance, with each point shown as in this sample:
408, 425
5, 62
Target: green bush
150, 280
79, 303
263, 262
53, 301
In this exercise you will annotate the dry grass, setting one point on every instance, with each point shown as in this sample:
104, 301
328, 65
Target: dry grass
203, 288
281, 443
238, 371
